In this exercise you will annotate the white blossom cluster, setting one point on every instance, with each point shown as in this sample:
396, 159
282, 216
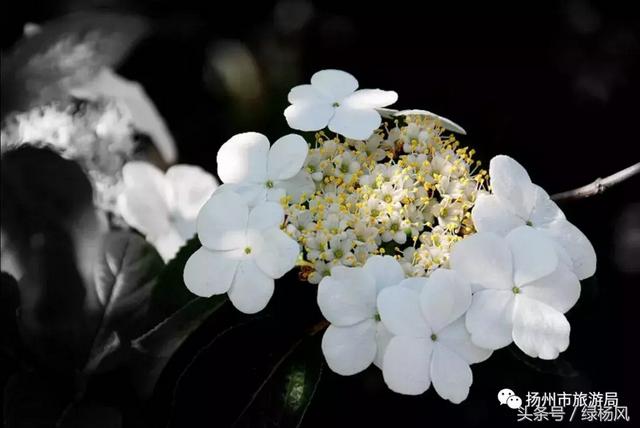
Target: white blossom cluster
97, 134
424, 264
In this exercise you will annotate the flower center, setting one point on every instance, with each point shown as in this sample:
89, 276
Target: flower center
516, 290
377, 317
336, 104
338, 253
529, 223
269, 184
434, 337
247, 250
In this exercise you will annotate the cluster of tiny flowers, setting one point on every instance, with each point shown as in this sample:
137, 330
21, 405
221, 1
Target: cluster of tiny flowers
406, 191
97, 134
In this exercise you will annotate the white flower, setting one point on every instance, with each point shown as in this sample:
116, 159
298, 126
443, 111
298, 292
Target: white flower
243, 251
347, 299
516, 201
249, 167
430, 342
332, 100
164, 206
521, 293
447, 124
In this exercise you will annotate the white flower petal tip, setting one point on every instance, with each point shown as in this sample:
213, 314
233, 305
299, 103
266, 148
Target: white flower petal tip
447, 124
164, 206
332, 100
243, 251
258, 172
517, 201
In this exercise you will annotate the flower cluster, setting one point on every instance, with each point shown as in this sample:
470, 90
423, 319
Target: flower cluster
425, 264
406, 191
98, 134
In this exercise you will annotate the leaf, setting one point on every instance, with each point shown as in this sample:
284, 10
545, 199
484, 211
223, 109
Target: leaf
181, 313
146, 117
68, 50
125, 275
286, 393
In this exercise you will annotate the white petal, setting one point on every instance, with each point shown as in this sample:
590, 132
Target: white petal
416, 283
385, 269
347, 297
306, 94
560, 289
545, 210
399, 309
243, 158
445, 297
512, 185
484, 259
286, 157
406, 365
222, 222
298, 185
538, 329
144, 210
210, 272
450, 374
168, 244
456, 337
349, 350
146, 176
335, 84
489, 319
489, 215
266, 215
534, 255
447, 124
357, 124
251, 289
309, 116
276, 252
577, 245
370, 98
383, 337
251, 194
191, 188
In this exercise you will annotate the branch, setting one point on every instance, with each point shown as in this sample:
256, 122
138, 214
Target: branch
599, 185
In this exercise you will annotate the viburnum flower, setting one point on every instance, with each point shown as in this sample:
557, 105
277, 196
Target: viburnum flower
164, 206
347, 298
243, 251
447, 124
430, 342
516, 201
522, 291
252, 169
332, 100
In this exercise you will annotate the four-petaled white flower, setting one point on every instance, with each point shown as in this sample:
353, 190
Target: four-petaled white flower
356, 338
243, 251
430, 342
522, 291
332, 100
164, 206
516, 201
257, 172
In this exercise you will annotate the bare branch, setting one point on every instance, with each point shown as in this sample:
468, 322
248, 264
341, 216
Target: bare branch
599, 185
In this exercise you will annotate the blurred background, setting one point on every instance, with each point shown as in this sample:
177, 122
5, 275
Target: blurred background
554, 84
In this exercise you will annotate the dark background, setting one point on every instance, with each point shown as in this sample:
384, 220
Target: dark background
553, 84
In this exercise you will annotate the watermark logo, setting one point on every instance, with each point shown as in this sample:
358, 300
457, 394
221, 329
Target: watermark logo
565, 406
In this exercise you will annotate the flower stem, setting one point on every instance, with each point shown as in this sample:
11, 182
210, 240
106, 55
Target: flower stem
599, 185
